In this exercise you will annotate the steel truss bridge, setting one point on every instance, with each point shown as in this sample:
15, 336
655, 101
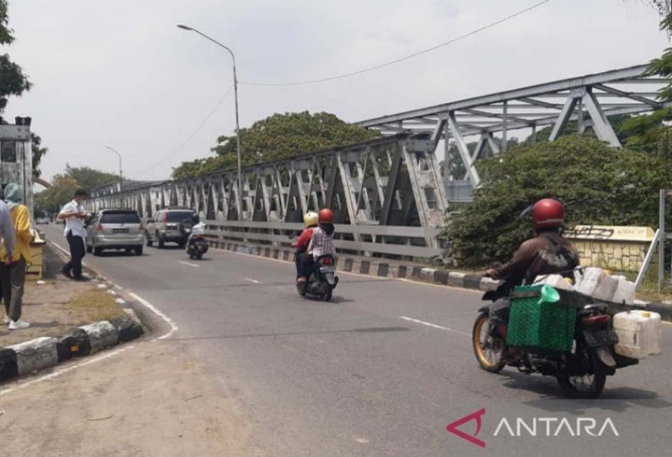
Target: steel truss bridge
589, 100
388, 195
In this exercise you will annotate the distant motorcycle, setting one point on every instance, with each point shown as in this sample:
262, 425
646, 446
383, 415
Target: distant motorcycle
322, 279
197, 244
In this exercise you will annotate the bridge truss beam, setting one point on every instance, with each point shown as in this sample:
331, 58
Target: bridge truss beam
589, 100
393, 181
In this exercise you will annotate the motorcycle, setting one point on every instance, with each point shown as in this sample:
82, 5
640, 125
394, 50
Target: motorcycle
197, 244
322, 279
580, 372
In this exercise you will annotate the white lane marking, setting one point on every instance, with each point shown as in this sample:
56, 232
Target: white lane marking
190, 264
252, 280
155, 310
120, 301
64, 371
429, 324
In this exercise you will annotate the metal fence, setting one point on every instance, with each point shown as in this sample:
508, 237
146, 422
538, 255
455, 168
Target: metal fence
376, 241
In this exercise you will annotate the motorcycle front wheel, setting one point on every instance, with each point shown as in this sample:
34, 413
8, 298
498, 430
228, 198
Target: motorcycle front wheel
588, 385
488, 349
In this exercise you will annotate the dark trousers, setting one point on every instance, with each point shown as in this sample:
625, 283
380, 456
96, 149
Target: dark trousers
13, 278
77, 253
298, 261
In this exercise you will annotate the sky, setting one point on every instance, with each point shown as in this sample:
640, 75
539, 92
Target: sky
121, 73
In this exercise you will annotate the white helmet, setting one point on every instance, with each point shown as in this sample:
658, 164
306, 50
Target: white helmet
310, 219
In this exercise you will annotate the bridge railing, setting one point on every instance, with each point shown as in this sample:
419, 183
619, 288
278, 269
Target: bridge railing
373, 240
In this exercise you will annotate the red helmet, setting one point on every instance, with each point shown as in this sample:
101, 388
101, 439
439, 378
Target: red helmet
326, 216
548, 213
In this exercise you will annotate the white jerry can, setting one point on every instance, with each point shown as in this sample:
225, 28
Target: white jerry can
555, 281
640, 334
625, 292
596, 283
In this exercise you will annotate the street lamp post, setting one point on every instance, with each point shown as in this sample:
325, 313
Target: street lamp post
121, 174
235, 92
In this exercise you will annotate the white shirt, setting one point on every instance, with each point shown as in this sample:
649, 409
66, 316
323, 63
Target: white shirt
74, 224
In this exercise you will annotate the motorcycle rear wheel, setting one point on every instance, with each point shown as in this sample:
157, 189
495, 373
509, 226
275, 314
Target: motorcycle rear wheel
484, 343
326, 296
587, 386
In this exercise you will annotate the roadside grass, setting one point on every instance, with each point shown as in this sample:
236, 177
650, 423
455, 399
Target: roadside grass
93, 305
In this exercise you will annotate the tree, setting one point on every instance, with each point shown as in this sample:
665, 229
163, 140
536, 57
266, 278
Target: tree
599, 185
51, 200
650, 132
12, 79
38, 153
276, 137
64, 186
88, 178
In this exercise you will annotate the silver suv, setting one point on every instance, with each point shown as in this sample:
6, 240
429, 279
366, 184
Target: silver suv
164, 227
115, 229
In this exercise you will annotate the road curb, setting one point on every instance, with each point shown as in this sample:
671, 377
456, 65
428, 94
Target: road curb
45, 352
389, 269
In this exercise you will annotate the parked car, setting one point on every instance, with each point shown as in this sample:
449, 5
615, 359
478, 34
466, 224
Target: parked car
115, 229
164, 227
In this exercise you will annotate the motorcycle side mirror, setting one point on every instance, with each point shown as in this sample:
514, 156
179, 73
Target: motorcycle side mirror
549, 295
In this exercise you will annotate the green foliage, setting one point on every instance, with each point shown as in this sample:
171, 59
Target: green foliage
88, 178
200, 167
51, 200
38, 153
277, 137
662, 66
648, 132
598, 185
64, 185
12, 79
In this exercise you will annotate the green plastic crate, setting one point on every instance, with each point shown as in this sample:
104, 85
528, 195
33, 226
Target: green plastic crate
545, 326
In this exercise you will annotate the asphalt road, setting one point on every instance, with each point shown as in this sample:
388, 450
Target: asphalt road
382, 370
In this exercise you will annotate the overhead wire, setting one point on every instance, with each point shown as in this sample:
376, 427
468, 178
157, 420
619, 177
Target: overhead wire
401, 59
341, 76
191, 136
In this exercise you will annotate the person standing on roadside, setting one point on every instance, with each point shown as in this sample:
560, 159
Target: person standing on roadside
13, 266
74, 215
7, 235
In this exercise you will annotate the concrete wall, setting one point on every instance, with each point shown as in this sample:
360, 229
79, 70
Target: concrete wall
16, 160
613, 248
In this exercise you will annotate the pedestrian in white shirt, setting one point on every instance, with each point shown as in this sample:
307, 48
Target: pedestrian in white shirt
74, 215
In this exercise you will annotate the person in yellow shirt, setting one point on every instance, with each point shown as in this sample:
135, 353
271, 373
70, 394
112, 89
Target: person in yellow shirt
13, 267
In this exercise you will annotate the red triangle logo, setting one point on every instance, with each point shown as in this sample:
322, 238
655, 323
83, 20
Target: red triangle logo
453, 427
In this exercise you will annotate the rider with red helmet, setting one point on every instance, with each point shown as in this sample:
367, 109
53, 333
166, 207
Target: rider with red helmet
547, 253
322, 240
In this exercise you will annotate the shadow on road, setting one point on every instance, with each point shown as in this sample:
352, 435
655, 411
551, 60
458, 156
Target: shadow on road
276, 334
618, 399
117, 254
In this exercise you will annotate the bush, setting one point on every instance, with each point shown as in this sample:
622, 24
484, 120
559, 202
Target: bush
597, 184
